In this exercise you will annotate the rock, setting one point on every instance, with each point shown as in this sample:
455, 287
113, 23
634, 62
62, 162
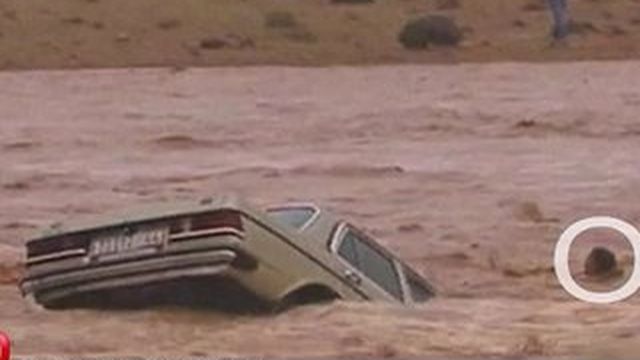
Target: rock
213, 43
385, 351
74, 20
98, 25
526, 123
433, 29
280, 20
409, 228
530, 211
583, 28
123, 37
448, 4
519, 24
600, 262
230, 41
168, 24
352, 1
535, 6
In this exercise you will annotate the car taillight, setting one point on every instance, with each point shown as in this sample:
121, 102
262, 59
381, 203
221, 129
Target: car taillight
217, 219
55, 245
214, 221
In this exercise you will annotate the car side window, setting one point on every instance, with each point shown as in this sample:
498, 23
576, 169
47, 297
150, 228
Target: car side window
374, 264
347, 250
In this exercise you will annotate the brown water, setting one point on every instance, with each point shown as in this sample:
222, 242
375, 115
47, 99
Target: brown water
469, 172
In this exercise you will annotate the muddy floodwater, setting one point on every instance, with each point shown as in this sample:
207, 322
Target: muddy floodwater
468, 172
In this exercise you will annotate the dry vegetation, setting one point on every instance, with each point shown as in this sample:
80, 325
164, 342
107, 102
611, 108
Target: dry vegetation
114, 33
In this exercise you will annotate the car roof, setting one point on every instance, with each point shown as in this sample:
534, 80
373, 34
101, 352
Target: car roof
143, 213
320, 228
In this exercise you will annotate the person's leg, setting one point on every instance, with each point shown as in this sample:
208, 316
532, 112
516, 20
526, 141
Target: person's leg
560, 12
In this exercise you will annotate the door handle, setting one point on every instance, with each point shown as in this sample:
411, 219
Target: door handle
353, 277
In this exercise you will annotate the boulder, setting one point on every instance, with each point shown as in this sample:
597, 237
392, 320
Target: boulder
600, 262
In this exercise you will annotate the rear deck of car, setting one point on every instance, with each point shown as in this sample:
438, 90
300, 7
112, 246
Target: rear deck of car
200, 242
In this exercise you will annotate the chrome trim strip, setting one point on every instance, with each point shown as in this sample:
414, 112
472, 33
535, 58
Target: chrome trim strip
337, 237
312, 219
57, 255
404, 283
208, 232
186, 235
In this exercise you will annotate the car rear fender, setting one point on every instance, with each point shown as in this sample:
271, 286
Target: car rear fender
311, 292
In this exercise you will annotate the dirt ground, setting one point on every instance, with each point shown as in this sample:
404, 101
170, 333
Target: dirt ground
123, 33
469, 172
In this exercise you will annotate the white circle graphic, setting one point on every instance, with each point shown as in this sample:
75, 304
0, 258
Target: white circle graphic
561, 260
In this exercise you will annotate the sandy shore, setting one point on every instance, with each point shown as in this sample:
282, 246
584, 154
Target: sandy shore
36, 34
469, 172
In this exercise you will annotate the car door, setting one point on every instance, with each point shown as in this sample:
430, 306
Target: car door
366, 266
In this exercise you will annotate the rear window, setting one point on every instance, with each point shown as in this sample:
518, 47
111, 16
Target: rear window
295, 217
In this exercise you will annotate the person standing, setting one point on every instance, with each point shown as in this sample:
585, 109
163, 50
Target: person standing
560, 13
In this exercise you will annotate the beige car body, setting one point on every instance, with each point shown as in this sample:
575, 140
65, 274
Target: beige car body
217, 238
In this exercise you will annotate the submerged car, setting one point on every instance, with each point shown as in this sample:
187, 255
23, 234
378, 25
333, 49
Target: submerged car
215, 251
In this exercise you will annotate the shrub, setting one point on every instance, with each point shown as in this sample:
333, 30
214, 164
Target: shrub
301, 35
287, 26
583, 28
168, 24
432, 29
352, 1
229, 41
534, 6
448, 4
280, 20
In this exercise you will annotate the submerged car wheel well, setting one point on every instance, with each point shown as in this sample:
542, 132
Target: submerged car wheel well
310, 294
